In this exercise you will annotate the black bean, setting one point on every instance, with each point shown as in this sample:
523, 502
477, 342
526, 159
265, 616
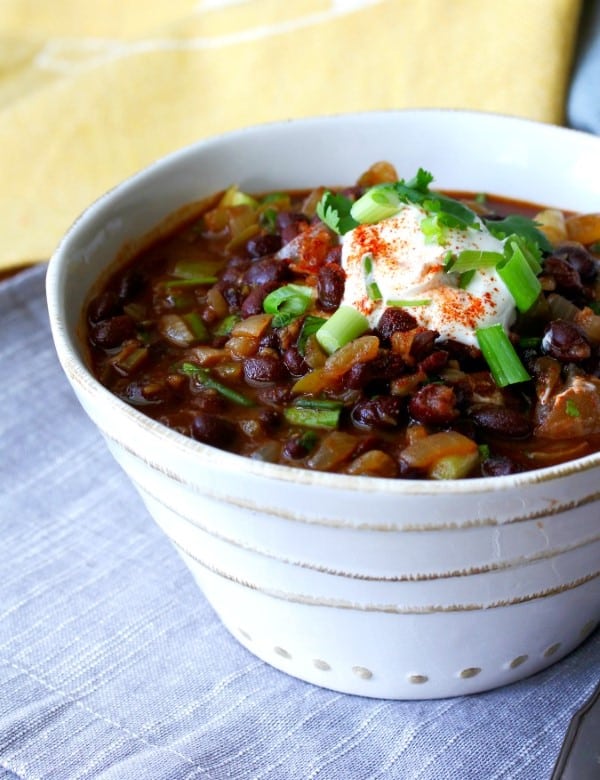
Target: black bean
434, 362
433, 405
253, 302
501, 420
298, 446
290, 224
295, 362
564, 341
330, 286
498, 466
383, 411
386, 366
131, 284
264, 244
104, 306
216, 431
269, 269
264, 369
423, 343
565, 276
394, 319
578, 257
113, 332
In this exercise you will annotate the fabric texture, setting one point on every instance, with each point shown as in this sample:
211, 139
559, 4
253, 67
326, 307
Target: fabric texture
92, 92
113, 665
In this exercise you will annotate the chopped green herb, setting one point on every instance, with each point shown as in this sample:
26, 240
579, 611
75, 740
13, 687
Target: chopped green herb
571, 408
288, 302
204, 377
501, 357
225, 327
402, 304
334, 210
309, 327
521, 226
195, 281
196, 325
323, 416
466, 278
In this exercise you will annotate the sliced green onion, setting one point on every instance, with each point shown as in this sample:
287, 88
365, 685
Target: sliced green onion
474, 259
380, 202
318, 403
529, 342
195, 269
196, 325
405, 303
203, 376
466, 278
309, 327
313, 418
288, 302
501, 357
194, 281
571, 408
518, 276
225, 327
343, 326
373, 291
434, 230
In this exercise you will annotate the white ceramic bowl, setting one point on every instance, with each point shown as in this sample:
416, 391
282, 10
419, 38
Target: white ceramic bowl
383, 588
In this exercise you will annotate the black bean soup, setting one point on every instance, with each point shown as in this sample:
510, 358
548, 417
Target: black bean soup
215, 330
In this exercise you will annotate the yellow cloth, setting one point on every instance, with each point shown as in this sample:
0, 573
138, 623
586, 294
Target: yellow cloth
90, 92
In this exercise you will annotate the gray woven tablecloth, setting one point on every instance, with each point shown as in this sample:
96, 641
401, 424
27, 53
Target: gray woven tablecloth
113, 666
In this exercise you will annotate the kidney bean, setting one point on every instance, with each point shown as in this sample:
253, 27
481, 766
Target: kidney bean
564, 341
269, 269
264, 244
394, 319
433, 405
113, 332
330, 286
253, 302
216, 431
380, 412
501, 420
263, 369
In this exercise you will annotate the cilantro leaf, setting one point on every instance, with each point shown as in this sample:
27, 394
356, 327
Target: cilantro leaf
521, 226
334, 210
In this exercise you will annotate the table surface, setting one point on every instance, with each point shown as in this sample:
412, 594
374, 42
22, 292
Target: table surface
113, 665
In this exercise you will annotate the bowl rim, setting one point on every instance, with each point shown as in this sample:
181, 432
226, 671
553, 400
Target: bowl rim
80, 375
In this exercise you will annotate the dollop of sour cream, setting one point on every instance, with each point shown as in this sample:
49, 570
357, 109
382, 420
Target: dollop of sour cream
395, 254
